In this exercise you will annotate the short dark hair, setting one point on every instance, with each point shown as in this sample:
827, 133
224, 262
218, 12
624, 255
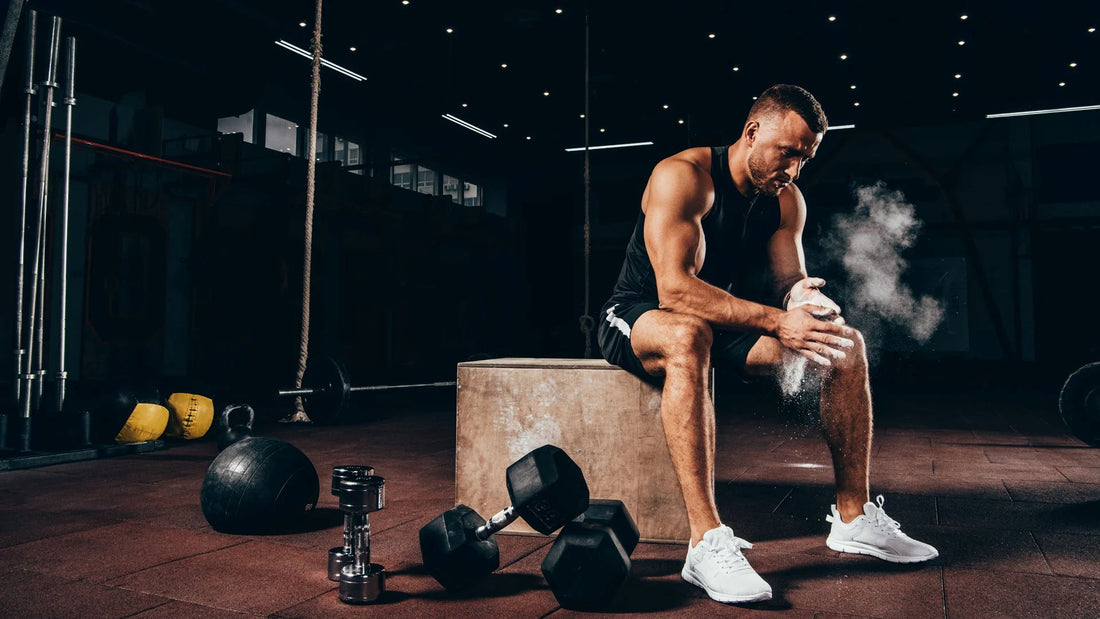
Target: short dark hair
785, 97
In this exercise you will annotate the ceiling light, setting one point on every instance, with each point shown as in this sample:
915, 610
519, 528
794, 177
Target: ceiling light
681, 121
853, 87
962, 42
605, 146
958, 76
558, 11
528, 137
504, 65
954, 94
351, 48
665, 106
464, 105
505, 125
1061, 83
856, 104
844, 56
450, 30
405, 2
324, 63
1050, 111
603, 130
737, 68
582, 115
462, 123
1092, 30
1072, 65
839, 127
546, 93
832, 18
711, 35
302, 24
964, 16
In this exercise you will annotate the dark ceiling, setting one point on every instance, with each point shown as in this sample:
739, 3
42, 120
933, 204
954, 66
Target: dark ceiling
901, 65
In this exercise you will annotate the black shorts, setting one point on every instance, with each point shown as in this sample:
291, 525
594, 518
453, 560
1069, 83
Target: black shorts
729, 350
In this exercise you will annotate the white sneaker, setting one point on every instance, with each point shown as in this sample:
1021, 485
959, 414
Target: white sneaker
717, 566
876, 534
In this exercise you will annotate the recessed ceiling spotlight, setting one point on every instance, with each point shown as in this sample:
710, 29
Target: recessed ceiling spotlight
528, 137
1091, 30
665, 106
504, 65
964, 17
711, 35
856, 104
558, 11
958, 76
754, 98
582, 115
1061, 83
962, 42
1073, 65
302, 24
954, 94
737, 68
505, 125
844, 56
832, 18
450, 30
603, 130
464, 105
681, 121
853, 87
405, 2
546, 93
352, 48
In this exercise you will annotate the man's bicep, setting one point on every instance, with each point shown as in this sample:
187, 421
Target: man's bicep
673, 240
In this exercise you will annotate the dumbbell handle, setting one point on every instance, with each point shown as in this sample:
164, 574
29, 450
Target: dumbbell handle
499, 520
360, 542
351, 520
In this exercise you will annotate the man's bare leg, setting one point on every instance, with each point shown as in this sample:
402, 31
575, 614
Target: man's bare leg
678, 347
845, 415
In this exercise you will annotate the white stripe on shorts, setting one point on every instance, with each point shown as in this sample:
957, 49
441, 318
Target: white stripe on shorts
617, 322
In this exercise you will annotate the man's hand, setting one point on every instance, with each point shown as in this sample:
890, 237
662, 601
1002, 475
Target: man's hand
807, 291
818, 340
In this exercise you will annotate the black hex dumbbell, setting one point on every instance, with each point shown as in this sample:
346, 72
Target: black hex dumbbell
590, 560
547, 490
340, 556
361, 581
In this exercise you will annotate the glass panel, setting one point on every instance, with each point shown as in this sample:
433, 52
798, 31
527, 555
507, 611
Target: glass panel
425, 180
281, 135
322, 147
400, 175
354, 156
452, 187
237, 124
471, 194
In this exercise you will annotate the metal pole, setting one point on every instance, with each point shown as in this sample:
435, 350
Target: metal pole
32, 27
69, 101
39, 325
44, 170
587, 186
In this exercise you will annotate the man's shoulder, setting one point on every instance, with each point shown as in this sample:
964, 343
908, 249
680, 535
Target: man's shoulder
693, 163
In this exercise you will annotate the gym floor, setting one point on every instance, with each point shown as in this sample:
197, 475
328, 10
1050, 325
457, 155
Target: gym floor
991, 479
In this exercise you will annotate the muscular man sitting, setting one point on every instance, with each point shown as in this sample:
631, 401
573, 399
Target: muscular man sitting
715, 223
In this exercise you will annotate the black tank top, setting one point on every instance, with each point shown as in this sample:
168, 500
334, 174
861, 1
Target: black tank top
736, 231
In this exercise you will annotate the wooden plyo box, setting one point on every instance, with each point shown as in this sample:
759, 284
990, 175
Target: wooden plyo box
606, 419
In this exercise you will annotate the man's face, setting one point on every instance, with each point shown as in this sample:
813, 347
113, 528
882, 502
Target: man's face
781, 144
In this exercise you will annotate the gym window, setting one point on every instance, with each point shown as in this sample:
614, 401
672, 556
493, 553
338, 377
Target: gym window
281, 135
425, 180
237, 124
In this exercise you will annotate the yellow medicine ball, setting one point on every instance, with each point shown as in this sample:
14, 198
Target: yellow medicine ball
191, 415
146, 423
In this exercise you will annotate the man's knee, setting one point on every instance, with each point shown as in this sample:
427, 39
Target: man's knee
689, 342
855, 358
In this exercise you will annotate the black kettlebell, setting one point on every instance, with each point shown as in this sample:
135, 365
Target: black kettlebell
229, 434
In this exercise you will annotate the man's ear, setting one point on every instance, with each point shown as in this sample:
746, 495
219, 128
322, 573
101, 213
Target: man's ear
750, 131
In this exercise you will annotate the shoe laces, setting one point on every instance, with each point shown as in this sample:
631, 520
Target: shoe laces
881, 520
728, 556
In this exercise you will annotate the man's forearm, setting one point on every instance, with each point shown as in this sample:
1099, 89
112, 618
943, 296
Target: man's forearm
720, 308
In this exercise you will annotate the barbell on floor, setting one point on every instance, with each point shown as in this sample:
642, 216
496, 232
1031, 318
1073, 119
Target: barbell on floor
326, 389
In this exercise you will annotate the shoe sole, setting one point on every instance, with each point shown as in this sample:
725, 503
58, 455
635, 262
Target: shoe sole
721, 597
860, 549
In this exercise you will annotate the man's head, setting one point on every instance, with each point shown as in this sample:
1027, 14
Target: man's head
782, 132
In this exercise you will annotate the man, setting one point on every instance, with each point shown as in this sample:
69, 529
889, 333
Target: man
690, 294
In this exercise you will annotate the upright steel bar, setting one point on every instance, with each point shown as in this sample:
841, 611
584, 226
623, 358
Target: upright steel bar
39, 325
44, 170
69, 101
32, 27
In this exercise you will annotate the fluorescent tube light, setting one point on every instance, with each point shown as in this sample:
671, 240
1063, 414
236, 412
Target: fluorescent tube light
1051, 111
324, 63
580, 148
458, 121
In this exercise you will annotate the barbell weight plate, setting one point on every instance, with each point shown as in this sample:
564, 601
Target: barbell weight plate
1079, 403
328, 378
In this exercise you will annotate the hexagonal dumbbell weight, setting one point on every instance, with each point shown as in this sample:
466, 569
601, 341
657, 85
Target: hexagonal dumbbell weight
361, 581
547, 490
590, 560
340, 556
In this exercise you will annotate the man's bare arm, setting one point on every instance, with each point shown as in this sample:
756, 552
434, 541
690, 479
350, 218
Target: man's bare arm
678, 195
